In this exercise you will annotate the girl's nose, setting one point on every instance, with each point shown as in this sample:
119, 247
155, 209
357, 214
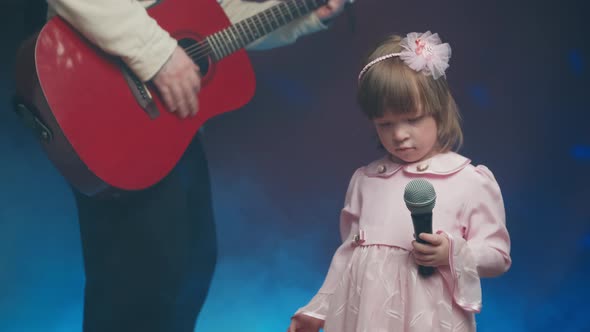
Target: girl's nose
400, 134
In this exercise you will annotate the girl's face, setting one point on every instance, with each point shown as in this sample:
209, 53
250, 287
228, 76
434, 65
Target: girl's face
410, 137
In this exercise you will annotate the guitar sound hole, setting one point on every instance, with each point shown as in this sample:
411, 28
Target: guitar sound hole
198, 52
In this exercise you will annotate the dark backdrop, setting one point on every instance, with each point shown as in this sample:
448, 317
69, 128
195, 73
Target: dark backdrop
281, 165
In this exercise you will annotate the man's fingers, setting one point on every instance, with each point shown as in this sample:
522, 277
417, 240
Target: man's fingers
194, 89
190, 84
168, 99
181, 104
179, 82
191, 104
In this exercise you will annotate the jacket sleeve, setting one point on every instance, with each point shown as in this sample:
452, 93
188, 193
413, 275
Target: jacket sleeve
484, 250
121, 28
349, 217
238, 10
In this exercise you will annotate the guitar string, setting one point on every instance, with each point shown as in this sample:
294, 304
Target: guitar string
204, 48
291, 6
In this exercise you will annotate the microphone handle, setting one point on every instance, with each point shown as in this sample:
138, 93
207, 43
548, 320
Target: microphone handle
423, 224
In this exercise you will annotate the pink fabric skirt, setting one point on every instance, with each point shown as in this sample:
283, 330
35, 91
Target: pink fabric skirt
381, 291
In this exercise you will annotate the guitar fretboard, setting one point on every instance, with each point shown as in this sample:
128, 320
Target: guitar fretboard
239, 35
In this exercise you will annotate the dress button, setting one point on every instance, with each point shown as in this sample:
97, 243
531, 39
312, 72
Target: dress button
422, 167
381, 169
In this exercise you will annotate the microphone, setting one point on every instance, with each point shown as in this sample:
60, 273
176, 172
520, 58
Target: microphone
420, 197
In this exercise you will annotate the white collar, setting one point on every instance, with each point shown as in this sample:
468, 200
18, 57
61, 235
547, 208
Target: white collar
439, 164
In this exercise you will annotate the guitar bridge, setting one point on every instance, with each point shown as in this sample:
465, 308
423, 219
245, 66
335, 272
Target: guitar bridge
140, 92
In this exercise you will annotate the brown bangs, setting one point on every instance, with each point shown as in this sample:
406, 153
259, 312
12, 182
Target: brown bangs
391, 85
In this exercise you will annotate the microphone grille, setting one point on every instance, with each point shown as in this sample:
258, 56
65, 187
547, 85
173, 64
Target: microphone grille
419, 196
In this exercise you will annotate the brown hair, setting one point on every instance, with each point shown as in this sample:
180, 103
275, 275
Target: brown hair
392, 85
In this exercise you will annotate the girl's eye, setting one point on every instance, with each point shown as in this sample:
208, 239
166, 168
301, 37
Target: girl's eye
384, 124
414, 120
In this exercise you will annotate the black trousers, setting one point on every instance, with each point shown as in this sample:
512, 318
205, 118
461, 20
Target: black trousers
149, 256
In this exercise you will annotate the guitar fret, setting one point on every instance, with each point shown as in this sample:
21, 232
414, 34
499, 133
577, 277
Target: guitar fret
270, 19
277, 17
228, 41
252, 27
249, 31
289, 11
224, 41
241, 34
282, 9
263, 24
235, 38
256, 26
297, 9
306, 7
217, 43
266, 23
299, 13
220, 43
211, 43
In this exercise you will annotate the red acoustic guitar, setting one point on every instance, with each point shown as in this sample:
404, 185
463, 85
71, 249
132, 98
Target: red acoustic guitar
102, 127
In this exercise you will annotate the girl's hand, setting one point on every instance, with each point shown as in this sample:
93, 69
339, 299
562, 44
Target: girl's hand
434, 254
304, 323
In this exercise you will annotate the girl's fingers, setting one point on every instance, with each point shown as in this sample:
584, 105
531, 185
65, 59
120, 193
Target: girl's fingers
424, 258
433, 239
426, 262
424, 248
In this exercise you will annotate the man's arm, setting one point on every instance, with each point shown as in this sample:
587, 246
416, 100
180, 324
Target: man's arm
124, 29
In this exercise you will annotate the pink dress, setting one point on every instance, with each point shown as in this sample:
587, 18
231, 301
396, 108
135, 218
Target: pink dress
373, 283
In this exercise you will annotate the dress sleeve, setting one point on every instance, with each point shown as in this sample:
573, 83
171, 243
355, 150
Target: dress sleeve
484, 249
121, 28
238, 10
349, 217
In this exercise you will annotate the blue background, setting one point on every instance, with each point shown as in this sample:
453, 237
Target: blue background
280, 167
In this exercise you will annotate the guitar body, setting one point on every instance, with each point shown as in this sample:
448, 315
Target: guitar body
91, 123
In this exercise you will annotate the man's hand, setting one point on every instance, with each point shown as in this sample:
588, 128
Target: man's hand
304, 323
178, 82
434, 254
330, 10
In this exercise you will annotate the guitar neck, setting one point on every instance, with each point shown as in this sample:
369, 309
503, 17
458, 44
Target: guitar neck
239, 35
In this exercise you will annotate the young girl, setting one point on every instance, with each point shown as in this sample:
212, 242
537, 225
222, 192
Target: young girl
373, 283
